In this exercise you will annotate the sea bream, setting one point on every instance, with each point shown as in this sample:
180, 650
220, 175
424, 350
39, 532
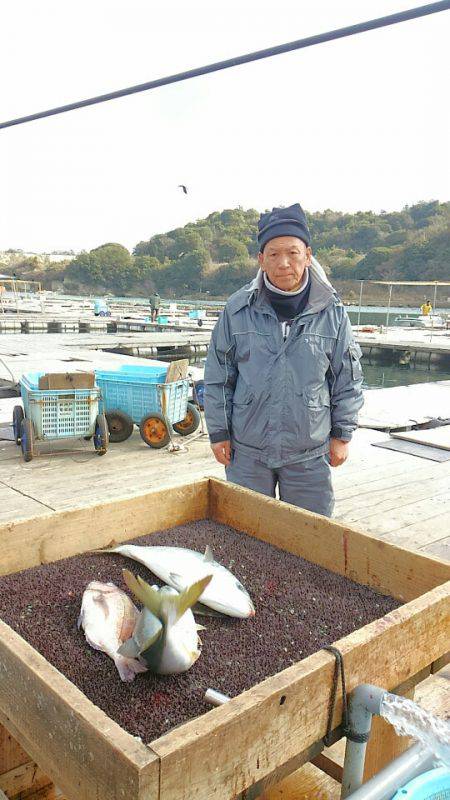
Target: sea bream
180, 568
166, 635
108, 618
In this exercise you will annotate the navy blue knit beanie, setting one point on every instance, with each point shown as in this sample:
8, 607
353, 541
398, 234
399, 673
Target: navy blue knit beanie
283, 222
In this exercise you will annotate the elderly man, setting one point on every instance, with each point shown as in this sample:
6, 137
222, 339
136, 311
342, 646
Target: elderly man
283, 378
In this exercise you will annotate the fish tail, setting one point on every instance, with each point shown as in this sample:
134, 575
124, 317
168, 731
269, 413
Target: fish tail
128, 668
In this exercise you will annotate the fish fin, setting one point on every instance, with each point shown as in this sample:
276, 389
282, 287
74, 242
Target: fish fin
194, 655
204, 611
209, 557
128, 668
133, 647
129, 649
177, 581
200, 627
143, 591
80, 619
190, 596
148, 630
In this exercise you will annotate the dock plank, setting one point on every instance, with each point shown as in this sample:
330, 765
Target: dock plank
387, 494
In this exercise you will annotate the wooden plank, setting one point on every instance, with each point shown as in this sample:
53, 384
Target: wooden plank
232, 747
326, 763
403, 511
46, 793
47, 538
23, 779
423, 533
436, 437
434, 693
389, 569
439, 548
177, 370
11, 753
308, 783
81, 748
413, 491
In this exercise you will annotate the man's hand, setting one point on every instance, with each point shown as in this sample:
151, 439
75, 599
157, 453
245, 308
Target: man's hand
222, 452
338, 452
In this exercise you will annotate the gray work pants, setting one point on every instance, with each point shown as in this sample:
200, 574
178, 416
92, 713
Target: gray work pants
306, 484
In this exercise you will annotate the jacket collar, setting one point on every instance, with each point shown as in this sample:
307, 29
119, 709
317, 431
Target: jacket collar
321, 294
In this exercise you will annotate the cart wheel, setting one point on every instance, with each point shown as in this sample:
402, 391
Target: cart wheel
18, 416
27, 439
154, 431
120, 425
190, 423
199, 394
101, 435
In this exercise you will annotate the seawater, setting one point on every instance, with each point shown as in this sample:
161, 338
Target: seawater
377, 376
409, 719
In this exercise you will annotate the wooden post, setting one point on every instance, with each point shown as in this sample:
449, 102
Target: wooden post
19, 775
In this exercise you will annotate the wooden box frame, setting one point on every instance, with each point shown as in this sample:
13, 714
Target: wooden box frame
270, 729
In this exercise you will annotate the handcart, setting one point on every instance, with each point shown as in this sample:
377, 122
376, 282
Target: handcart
138, 395
59, 413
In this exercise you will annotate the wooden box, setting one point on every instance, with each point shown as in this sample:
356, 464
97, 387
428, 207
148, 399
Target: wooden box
271, 729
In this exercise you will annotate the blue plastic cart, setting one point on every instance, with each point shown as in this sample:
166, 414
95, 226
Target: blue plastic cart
49, 414
138, 395
101, 308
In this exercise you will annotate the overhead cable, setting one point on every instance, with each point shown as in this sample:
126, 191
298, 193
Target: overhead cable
300, 44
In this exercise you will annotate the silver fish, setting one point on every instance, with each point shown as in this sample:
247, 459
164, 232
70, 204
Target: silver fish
166, 635
180, 568
109, 618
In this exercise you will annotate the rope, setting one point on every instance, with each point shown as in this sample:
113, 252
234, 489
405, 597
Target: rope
310, 41
361, 738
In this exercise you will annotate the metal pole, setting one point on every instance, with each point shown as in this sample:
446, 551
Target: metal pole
434, 307
310, 41
435, 295
215, 698
360, 300
389, 305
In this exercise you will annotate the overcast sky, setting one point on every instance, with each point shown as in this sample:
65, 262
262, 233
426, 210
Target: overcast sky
361, 123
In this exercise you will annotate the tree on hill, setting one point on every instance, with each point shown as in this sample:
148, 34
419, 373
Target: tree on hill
218, 253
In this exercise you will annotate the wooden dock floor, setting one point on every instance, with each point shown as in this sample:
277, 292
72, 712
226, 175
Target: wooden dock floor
396, 496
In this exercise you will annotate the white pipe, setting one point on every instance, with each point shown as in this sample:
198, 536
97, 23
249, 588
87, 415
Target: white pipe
383, 786
215, 698
365, 701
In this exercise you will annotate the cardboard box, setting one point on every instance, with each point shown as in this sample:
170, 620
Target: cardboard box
67, 380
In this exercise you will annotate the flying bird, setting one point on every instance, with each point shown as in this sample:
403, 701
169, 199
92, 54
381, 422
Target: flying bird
182, 186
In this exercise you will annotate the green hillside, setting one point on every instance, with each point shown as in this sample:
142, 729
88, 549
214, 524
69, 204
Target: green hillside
217, 255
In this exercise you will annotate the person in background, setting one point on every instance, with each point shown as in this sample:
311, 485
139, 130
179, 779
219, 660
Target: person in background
283, 378
426, 308
155, 302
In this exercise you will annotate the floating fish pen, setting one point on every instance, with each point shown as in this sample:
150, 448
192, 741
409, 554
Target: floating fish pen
431, 354
314, 581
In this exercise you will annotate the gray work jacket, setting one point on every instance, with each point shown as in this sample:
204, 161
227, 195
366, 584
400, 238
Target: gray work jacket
280, 401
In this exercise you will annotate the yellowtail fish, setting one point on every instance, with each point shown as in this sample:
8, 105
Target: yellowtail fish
166, 635
180, 568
